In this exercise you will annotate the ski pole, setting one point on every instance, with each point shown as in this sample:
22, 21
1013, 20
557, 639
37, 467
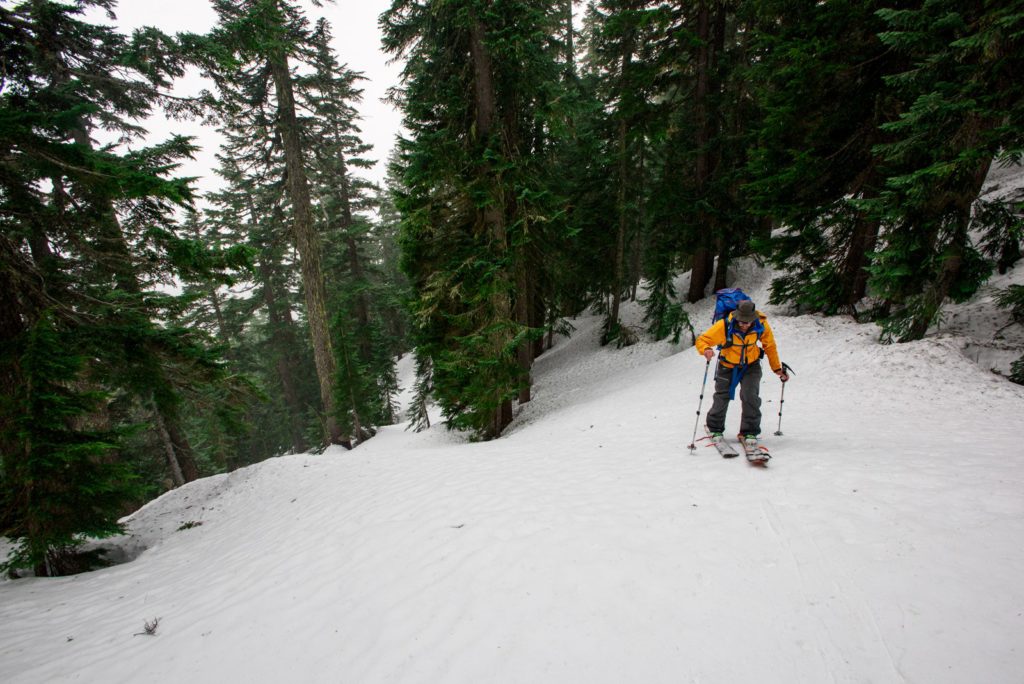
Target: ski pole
782, 400
703, 384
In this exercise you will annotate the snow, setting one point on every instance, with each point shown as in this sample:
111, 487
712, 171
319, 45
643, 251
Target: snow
884, 543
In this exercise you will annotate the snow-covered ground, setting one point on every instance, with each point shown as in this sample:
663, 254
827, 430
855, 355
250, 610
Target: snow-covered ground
884, 543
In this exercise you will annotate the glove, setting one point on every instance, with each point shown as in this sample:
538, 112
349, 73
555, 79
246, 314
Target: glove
709, 354
783, 375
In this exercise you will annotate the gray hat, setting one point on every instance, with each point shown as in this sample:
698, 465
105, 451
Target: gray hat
745, 312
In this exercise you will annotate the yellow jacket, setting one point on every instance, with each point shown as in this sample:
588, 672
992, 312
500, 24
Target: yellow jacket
742, 345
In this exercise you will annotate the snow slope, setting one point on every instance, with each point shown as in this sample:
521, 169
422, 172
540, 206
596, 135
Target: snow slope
885, 542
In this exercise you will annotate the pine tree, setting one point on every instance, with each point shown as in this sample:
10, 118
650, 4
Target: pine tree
249, 55
817, 73
270, 347
89, 235
618, 44
476, 92
1012, 299
67, 482
365, 360
964, 109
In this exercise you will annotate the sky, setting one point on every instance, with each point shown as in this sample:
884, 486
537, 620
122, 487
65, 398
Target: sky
356, 44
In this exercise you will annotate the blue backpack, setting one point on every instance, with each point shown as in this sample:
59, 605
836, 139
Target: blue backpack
726, 301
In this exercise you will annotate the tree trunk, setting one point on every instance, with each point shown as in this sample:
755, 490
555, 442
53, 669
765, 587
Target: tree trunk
700, 275
283, 342
307, 243
173, 466
493, 216
570, 43
960, 204
16, 310
638, 243
619, 263
703, 258
854, 274
524, 294
722, 269
538, 316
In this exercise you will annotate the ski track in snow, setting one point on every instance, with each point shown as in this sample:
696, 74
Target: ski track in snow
884, 542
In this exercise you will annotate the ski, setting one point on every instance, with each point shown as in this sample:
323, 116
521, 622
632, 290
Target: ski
723, 446
757, 454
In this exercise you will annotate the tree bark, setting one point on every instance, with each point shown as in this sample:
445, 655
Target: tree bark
493, 213
703, 259
307, 243
619, 265
570, 43
524, 295
722, 269
637, 244
173, 466
960, 206
283, 340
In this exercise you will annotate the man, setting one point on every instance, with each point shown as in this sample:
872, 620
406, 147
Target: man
739, 364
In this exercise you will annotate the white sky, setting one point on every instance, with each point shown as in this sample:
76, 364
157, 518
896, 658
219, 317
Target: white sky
356, 43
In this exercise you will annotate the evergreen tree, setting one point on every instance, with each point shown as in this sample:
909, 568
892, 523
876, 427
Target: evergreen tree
249, 55
365, 359
477, 91
269, 341
67, 482
619, 42
1012, 299
89, 237
964, 109
817, 73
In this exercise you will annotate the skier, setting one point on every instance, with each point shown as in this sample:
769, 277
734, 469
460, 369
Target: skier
739, 364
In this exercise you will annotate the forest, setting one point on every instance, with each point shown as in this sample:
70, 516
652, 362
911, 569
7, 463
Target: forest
556, 157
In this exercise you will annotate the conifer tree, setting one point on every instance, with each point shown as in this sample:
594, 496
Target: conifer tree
964, 108
365, 359
620, 37
249, 55
817, 73
88, 234
476, 92
252, 210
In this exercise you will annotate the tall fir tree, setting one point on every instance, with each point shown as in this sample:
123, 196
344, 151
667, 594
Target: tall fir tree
964, 108
817, 72
477, 90
250, 56
89, 236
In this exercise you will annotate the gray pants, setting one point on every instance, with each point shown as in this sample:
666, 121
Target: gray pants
750, 397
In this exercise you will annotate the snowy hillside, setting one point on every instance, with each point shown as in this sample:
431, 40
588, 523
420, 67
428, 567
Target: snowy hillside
884, 543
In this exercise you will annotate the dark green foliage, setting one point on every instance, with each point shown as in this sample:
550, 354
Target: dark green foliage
89, 236
476, 198
1012, 298
819, 79
665, 316
1002, 226
1017, 371
963, 109
68, 482
846, 142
